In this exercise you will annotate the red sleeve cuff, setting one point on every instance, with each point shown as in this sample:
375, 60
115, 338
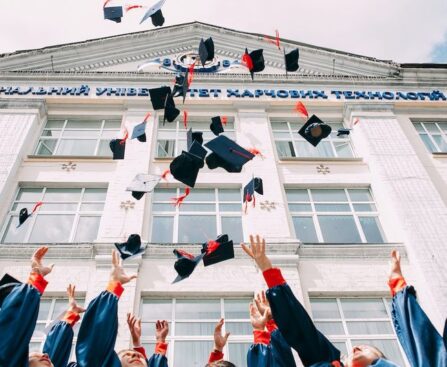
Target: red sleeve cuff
71, 318
161, 348
273, 277
116, 288
141, 350
215, 356
396, 285
271, 326
261, 337
37, 281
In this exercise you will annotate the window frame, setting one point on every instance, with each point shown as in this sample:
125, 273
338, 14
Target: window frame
314, 214
430, 134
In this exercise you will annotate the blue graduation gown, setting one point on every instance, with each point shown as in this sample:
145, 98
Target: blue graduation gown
158, 360
422, 343
18, 317
58, 344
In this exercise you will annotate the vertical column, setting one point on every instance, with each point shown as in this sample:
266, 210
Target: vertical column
406, 186
253, 131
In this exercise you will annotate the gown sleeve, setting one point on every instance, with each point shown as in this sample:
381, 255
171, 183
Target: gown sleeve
159, 359
423, 345
18, 317
59, 340
260, 352
99, 329
295, 324
281, 351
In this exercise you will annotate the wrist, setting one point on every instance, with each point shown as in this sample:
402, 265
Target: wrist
218, 348
136, 343
161, 340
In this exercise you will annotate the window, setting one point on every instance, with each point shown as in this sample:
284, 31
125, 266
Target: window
172, 136
191, 324
78, 137
355, 321
49, 310
67, 215
290, 144
434, 135
203, 215
334, 215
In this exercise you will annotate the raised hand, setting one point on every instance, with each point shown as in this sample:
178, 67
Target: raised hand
258, 320
262, 302
134, 324
161, 331
118, 274
256, 251
395, 270
36, 262
220, 340
72, 305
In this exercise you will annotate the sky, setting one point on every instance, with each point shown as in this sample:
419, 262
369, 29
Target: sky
405, 31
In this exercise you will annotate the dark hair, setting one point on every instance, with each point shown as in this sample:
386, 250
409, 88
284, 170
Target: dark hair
220, 364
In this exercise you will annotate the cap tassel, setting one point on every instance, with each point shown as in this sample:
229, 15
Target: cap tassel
38, 204
191, 73
255, 151
179, 200
211, 247
186, 254
185, 119
165, 174
130, 7
224, 120
147, 117
106, 2
248, 198
356, 121
240, 154
300, 108
275, 41
126, 136
247, 61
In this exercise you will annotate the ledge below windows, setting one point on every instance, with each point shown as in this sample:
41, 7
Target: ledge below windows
77, 158
440, 155
318, 159
365, 251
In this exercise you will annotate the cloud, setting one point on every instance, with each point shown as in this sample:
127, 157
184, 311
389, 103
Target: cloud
439, 51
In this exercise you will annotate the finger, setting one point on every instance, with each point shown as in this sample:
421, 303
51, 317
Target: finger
398, 256
114, 258
251, 240
128, 318
73, 290
263, 246
51, 267
226, 337
132, 277
247, 250
139, 323
158, 325
263, 297
81, 309
252, 310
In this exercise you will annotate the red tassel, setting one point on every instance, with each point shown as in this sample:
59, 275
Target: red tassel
147, 117
185, 119
336, 364
130, 7
179, 201
277, 40
38, 204
165, 174
356, 121
123, 140
255, 151
212, 246
191, 74
254, 201
300, 108
247, 61
106, 2
186, 254
240, 153
224, 120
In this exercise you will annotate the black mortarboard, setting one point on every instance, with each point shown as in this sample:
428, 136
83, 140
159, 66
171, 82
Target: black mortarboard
315, 130
181, 85
7, 284
132, 247
155, 14
185, 168
192, 137
139, 132
143, 183
227, 154
444, 334
343, 131
291, 60
158, 97
255, 185
113, 13
23, 216
197, 149
185, 264
257, 58
118, 148
206, 50
216, 125
171, 112
217, 251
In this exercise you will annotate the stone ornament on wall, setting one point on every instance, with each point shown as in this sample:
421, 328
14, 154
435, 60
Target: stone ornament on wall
126, 205
322, 169
267, 205
70, 166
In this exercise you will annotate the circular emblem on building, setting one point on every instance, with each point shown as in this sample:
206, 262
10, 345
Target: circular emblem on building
182, 62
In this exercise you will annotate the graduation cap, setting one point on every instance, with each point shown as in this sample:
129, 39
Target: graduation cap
118, 148
227, 154
142, 184
185, 168
24, 215
192, 137
217, 251
206, 50
254, 61
255, 185
315, 130
155, 14
113, 13
343, 131
171, 112
132, 247
7, 284
185, 264
291, 60
139, 131
217, 125
159, 96
181, 85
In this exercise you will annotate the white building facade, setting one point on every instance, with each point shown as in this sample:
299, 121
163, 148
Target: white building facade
331, 215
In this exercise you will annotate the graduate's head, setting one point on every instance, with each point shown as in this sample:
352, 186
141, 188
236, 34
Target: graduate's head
39, 360
362, 356
131, 358
220, 364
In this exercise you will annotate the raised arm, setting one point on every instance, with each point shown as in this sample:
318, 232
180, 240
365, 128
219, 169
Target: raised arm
292, 319
220, 340
18, 313
59, 340
99, 327
420, 340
